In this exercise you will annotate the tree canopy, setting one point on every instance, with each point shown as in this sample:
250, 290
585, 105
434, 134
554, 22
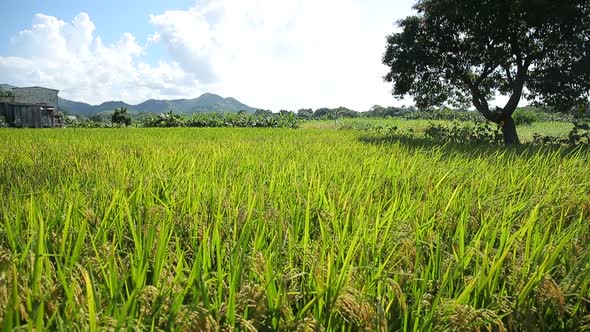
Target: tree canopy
6, 93
469, 51
121, 117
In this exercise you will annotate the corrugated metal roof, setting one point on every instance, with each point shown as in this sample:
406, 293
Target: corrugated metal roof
34, 87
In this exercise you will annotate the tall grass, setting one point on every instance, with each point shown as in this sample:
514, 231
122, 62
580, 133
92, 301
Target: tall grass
273, 229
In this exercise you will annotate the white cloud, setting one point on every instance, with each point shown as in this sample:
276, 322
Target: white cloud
68, 56
285, 54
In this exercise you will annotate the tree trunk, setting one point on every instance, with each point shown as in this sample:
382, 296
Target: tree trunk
509, 131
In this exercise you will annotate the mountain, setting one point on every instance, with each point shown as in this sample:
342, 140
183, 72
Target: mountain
80, 108
111, 105
6, 87
206, 103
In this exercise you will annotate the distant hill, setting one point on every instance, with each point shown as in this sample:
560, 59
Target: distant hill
75, 107
206, 103
6, 87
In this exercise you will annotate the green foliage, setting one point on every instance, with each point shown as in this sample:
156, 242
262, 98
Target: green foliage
478, 133
261, 112
468, 51
382, 129
305, 113
6, 93
525, 116
281, 230
334, 113
521, 116
443, 114
86, 123
96, 118
578, 136
3, 122
120, 117
530, 115
170, 119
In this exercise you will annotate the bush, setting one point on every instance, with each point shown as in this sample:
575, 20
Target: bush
86, 123
388, 130
522, 116
3, 122
169, 119
243, 120
445, 114
579, 135
478, 133
525, 116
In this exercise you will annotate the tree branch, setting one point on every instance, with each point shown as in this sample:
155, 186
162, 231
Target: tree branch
488, 69
481, 104
517, 88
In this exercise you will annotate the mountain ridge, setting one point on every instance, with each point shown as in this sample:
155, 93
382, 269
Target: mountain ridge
205, 103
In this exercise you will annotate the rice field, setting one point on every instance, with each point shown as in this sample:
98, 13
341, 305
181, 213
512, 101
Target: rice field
224, 229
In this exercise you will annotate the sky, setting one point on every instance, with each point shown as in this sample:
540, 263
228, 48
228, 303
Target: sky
272, 54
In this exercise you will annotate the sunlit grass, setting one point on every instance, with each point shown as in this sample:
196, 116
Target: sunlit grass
525, 132
277, 229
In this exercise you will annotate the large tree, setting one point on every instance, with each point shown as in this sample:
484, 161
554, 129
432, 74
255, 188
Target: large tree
120, 117
461, 51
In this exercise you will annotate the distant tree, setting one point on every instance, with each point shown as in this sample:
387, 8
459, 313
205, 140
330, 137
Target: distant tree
377, 110
305, 113
6, 94
334, 113
461, 51
343, 112
381, 112
120, 117
322, 113
95, 118
286, 113
262, 112
242, 113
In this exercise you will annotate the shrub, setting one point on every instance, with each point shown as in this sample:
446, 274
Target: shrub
3, 122
243, 120
86, 123
169, 119
388, 130
525, 116
579, 135
478, 133
444, 114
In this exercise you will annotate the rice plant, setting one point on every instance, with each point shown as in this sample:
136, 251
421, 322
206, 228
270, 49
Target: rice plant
219, 229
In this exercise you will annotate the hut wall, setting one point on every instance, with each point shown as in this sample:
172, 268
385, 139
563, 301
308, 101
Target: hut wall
35, 95
22, 115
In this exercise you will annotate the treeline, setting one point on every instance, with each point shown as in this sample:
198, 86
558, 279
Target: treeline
120, 118
319, 114
240, 119
291, 119
522, 116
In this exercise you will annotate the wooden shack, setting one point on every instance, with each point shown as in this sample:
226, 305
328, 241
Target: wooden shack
30, 107
23, 115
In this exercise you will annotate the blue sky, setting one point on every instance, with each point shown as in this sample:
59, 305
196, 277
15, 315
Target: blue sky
285, 54
108, 15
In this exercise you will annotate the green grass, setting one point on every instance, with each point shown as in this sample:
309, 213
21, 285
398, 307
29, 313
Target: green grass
525, 132
277, 229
